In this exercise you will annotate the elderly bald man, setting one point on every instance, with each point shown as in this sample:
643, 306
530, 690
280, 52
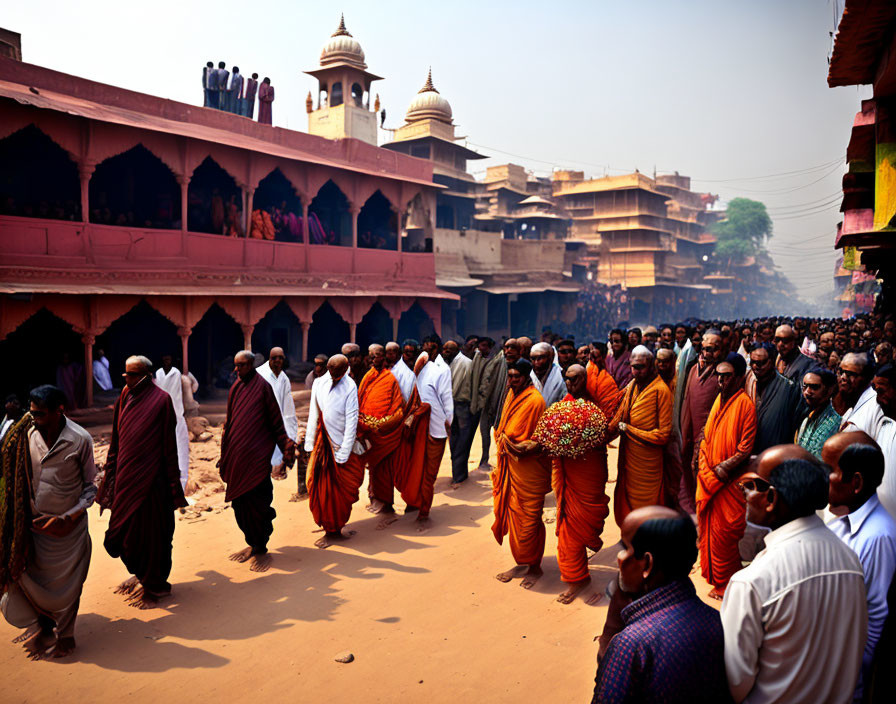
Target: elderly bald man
253, 427
141, 484
643, 422
547, 376
356, 363
335, 472
792, 363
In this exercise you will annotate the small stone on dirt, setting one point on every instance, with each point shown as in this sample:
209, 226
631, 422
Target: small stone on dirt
345, 657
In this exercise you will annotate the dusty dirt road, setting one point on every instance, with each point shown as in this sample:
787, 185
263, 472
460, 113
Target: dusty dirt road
423, 615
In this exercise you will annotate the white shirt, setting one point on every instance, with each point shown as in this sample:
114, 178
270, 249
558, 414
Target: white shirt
871, 532
554, 388
886, 438
405, 378
865, 415
101, 373
339, 404
434, 387
461, 378
784, 615
171, 382
283, 394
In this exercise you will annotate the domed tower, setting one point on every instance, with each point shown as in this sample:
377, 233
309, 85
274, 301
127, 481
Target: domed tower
343, 96
428, 133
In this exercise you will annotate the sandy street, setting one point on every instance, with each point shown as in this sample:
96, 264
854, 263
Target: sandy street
423, 615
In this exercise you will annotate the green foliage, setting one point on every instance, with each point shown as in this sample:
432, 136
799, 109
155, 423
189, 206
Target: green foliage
744, 230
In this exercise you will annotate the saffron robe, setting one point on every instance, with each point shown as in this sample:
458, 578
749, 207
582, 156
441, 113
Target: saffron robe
379, 397
141, 484
412, 472
701, 389
582, 508
519, 484
602, 388
721, 509
332, 487
648, 417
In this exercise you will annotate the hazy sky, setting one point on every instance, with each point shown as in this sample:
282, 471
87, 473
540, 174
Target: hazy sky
731, 93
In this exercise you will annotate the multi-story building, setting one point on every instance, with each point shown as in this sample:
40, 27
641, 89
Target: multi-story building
115, 208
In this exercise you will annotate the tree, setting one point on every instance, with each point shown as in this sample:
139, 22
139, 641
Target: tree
743, 232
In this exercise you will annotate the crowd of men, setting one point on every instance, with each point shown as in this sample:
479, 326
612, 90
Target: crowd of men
231, 92
737, 443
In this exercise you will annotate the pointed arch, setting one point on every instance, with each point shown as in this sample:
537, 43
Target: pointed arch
378, 223
210, 191
329, 217
142, 330
38, 178
277, 196
328, 332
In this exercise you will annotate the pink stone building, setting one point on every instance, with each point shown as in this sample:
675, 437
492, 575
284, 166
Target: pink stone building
115, 211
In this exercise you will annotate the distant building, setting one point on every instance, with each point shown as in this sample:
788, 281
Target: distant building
863, 55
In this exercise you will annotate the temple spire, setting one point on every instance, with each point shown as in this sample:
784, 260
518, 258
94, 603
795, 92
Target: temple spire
341, 31
428, 86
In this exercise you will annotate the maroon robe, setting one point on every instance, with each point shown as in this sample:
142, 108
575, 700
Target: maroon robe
253, 427
700, 392
265, 98
141, 484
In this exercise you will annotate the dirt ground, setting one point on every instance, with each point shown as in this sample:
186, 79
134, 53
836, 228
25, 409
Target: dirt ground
423, 615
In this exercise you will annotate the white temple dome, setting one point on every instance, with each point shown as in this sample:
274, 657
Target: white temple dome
429, 103
342, 47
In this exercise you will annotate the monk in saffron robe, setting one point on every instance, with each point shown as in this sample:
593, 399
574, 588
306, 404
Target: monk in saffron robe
582, 503
254, 426
380, 412
335, 472
601, 386
141, 485
727, 443
700, 390
644, 424
521, 478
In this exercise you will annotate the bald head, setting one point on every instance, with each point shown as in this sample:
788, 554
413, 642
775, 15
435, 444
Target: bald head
337, 365
244, 356
244, 363
450, 350
664, 354
512, 351
374, 348
659, 546
768, 459
525, 345
393, 354
576, 380
642, 352
835, 445
277, 360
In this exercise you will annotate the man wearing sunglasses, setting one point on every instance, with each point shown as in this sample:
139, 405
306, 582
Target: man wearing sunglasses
805, 591
779, 407
791, 363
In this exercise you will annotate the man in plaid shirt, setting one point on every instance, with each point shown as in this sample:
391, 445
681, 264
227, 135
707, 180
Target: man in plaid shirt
671, 647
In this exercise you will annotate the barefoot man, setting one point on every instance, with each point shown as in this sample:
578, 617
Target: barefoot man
57, 456
522, 477
380, 406
728, 440
582, 504
417, 480
141, 484
335, 472
253, 427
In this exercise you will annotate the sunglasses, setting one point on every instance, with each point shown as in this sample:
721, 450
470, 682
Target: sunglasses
847, 373
38, 414
756, 484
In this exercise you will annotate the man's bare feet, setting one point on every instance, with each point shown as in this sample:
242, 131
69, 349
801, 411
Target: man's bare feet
485, 467
531, 577
278, 472
144, 599
572, 591
424, 523
26, 634
299, 496
242, 555
514, 572
260, 562
38, 646
456, 485
594, 598
375, 505
63, 648
716, 594
329, 539
127, 586
386, 519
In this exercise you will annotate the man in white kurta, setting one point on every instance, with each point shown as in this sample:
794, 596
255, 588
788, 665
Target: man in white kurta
403, 373
101, 371
272, 372
168, 378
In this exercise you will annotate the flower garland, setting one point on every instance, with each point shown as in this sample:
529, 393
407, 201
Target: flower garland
571, 428
372, 422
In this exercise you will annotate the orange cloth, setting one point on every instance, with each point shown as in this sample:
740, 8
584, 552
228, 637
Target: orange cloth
730, 430
261, 227
413, 461
648, 417
379, 397
519, 484
332, 488
602, 388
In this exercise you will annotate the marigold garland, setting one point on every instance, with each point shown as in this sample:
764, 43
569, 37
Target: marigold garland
372, 422
571, 428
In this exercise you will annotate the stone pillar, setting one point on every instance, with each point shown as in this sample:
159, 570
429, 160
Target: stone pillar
352, 329
395, 330
184, 182
184, 335
402, 214
305, 328
306, 236
248, 194
247, 336
355, 211
89, 340
85, 171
